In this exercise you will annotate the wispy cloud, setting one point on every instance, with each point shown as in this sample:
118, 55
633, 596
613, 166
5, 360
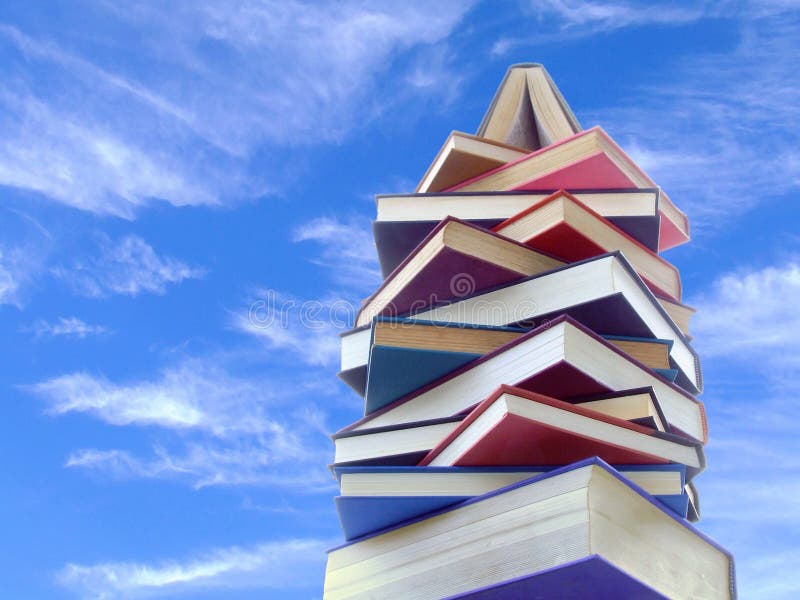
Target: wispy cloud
347, 250
179, 116
70, 327
719, 132
751, 313
129, 266
275, 565
194, 395
9, 284
307, 329
217, 428
563, 20
746, 331
261, 461
750, 488
608, 16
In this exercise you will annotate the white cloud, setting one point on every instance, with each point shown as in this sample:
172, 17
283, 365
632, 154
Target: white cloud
272, 462
276, 565
749, 490
179, 115
347, 250
217, 428
67, 327
195, 395
307, 329
129, 266
746, 331
750, 313
719, 132
559, 21
608, 16
9, 284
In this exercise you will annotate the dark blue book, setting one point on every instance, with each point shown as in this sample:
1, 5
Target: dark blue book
532, 538
377, 497
406, 354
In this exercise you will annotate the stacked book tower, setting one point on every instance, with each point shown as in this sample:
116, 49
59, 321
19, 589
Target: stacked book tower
531, 427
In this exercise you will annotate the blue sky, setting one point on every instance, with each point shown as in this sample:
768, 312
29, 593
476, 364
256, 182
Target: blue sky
177, 183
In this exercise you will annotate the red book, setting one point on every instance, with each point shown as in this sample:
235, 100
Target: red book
516, 427
565, 227
588, 160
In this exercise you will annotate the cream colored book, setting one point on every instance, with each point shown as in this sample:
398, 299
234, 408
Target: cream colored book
528, 110
464, 156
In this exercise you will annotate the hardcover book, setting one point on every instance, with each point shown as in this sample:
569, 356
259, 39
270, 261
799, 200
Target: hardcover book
562, 359
403, 220
528, 110
583, 512
464, 156
563, 226
455, 259
589, 159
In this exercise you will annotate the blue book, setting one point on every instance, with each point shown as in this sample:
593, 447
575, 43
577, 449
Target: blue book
377, 497
607, 532
394, 372
399, 364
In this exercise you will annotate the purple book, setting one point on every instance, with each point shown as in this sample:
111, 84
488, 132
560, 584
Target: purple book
456, 259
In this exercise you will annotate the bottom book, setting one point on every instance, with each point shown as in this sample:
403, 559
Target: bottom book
529, 535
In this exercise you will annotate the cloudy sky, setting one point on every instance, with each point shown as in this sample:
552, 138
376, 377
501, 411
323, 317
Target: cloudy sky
179, 184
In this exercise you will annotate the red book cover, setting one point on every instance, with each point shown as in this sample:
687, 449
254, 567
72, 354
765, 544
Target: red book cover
598, 171
516, 440
595, 172
566, 242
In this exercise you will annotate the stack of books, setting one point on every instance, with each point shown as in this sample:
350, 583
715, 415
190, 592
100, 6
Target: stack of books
531, 426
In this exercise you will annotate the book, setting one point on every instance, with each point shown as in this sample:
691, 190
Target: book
455, 259
377, 497
406, 354
528, 110
563, 226
403, 444
562, 359
464, 156
364, 515
693, 498
403, 220
589, 159
585, 511
680, 313
653, 353
381, 480
603, 293
638, 406
591, 577
516, 427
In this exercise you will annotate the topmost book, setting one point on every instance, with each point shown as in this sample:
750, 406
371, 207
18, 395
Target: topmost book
528, 111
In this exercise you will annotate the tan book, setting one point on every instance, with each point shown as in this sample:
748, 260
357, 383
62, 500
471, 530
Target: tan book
528, 110
464, 156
